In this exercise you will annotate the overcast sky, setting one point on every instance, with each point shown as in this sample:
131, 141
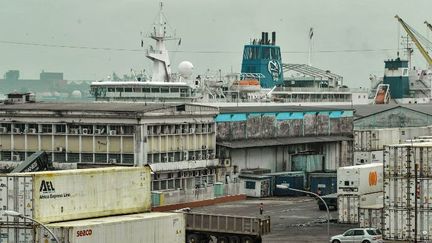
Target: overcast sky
213, 33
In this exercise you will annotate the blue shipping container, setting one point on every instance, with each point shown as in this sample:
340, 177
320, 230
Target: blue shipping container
292, 179
325, 183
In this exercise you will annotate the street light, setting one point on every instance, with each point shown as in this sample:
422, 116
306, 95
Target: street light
19, 215
314, 194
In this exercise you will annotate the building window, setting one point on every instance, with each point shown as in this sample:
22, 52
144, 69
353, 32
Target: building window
46, 128
111, 89
250, 185
60, 128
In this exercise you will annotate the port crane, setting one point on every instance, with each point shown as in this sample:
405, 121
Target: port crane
414, 35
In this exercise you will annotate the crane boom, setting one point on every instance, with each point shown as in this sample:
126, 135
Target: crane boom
428, 25
415, 40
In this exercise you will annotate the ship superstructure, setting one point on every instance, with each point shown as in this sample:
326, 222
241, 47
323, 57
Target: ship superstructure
261, 80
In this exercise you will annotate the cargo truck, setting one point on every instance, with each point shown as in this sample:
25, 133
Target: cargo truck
202, 227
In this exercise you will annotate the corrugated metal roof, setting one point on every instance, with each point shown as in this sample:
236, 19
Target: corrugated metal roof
249, 143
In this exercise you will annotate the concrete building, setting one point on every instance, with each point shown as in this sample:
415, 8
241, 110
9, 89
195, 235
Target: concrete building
275, 137
178, 141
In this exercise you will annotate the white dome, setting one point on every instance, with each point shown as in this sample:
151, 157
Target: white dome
185, 69
76, 94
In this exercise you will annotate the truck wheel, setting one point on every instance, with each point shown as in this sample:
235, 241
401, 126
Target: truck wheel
234, 239
222, 239
247, 239
193, 238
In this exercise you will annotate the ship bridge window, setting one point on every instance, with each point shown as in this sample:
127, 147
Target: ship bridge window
174, 90
164, 90
146, 90
137, 90
155, 90
119, 89
111, 89
128, 89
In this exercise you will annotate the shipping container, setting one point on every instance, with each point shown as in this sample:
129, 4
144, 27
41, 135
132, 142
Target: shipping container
360, 179
401, 192
257, 185
291, 179
371, 216
371, 199
348, 206
132, 228
399, 224
400, 160
307, 162
376, 139
325, 183
75, 194
368, 157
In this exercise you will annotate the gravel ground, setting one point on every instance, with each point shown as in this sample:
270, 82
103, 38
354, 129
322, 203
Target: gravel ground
293, 219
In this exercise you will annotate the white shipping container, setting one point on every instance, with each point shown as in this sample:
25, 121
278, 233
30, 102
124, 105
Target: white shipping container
348, 209
360, 179
371, 216
368, 157
397, 224
376, 139
400, 160
132, 228
370, 199
75, 194
401, 192
400, 224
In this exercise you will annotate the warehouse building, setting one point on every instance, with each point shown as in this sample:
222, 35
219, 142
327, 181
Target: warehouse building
282, 138
178, 141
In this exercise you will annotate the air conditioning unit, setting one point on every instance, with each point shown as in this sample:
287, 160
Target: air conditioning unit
32, 130
16, 158
3, 129
193, 157
112, 161
85, 131
192, 130
172, 159
200, 156
112, 132
165, 159
98, 131
212, 155
204, 147
16, 130
207, 156
59, 149
227, 162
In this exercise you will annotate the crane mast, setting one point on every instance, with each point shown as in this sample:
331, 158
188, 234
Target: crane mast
415, 40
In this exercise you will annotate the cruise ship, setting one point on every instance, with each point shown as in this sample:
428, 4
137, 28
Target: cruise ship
264, 80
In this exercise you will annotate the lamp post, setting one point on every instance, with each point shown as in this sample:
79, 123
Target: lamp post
316, 195
19, 215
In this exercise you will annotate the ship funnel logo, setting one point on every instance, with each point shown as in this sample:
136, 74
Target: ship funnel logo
274, 69
373, 178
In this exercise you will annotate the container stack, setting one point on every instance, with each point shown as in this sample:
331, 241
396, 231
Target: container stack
369, 143
358, 187
63, 199
408, 192
322, 183
291, 179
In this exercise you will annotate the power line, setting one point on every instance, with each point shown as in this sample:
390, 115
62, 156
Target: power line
183, 51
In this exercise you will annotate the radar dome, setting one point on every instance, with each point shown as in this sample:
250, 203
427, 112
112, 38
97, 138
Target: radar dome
76, 94
185, 69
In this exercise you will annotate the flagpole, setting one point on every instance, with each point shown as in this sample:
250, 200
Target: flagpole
310, 47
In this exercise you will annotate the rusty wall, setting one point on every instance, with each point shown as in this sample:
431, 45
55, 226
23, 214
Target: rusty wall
253, 127
238, 130
223, 131
322, 124
268, 127
310, 121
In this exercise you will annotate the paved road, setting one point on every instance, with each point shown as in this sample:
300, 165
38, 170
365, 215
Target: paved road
293, 219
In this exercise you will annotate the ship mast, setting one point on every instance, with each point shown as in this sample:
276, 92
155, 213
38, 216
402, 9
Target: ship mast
159, 54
